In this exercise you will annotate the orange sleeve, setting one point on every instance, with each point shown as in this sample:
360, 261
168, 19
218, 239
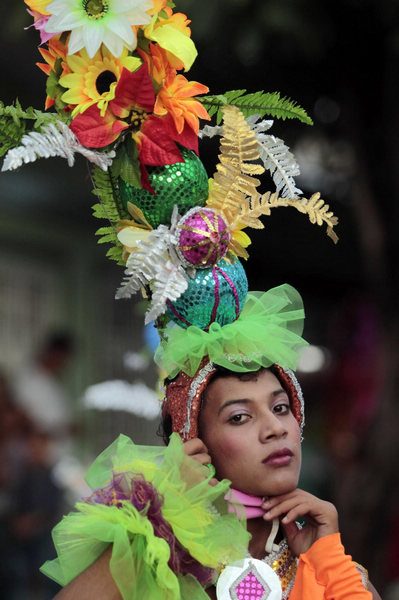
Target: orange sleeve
325, 572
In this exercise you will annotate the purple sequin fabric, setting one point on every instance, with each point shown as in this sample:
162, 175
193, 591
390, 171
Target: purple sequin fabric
146, 499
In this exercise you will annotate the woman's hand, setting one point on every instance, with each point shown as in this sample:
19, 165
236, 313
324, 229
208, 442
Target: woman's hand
199, 452
321, 518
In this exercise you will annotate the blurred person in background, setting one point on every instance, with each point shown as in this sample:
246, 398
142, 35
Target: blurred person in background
30, 501
36, 506
39, 392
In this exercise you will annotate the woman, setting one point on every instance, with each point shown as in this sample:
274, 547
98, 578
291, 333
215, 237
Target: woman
248, 426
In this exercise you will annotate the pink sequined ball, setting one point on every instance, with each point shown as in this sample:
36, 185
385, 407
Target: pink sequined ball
203, 238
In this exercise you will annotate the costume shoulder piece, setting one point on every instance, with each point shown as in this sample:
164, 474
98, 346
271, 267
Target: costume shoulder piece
169, 528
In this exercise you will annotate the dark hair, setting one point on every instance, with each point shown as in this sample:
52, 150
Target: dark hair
165, 427
164, 430
58, 341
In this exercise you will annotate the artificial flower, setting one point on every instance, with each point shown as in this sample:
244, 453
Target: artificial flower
133, 101
239, 242
158, 6
157, 62
135, 92
93, 80
56, 52
40, 25
95, 131
176, 98
38, 6
132, 108
133, 230
129, 234
96, 22
173, 34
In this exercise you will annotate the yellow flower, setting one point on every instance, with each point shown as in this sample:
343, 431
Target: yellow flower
239, 241
93, 80
173, 35
38, 6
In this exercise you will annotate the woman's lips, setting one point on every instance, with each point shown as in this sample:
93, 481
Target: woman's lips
279, 458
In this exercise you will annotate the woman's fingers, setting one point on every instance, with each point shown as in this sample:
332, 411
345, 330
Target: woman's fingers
194, 446
298, 511
197, 450
202, 458
285, 507
321, 516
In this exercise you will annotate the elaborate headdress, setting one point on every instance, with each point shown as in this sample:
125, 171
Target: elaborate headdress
114, 78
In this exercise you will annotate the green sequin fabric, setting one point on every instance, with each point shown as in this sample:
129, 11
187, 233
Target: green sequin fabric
182, 184
214, 294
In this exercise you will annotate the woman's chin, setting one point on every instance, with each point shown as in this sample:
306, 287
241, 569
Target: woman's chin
277, 489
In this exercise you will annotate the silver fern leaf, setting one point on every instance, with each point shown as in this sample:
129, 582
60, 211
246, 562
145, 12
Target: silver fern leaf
275, 155
169, 284
260, 127
146, 261
210, 131
280, 162
55, 139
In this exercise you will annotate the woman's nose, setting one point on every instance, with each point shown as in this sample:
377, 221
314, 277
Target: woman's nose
271, 427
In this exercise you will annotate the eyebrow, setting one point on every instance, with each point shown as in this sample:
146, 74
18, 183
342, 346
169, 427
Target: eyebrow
248, 400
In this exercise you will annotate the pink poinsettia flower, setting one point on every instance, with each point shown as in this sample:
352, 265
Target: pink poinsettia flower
40, 24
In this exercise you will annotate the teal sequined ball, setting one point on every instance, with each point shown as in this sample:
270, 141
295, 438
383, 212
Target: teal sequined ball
216, 294
184, 184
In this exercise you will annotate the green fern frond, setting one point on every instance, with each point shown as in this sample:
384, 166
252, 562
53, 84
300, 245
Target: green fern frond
109, 208
15, 122
107, 234
262, 103
35, 118
115, 253
11, 133
106, 189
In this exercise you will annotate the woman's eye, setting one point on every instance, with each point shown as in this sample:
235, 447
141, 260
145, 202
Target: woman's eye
282, 409
238, 419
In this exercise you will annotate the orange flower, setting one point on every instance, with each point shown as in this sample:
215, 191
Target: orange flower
56, 50
158, 6
157, 62
176, 98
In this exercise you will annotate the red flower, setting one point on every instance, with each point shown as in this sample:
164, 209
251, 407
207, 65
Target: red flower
132, 108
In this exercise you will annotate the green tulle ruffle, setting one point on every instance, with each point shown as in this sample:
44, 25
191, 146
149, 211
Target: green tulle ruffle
268, 331
196, 511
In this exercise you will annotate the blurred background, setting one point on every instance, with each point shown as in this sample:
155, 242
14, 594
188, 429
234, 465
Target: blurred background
62, 332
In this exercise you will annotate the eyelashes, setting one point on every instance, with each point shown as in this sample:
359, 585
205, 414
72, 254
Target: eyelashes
236, 420
280, 409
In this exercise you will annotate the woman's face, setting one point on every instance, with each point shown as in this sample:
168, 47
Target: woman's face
251, 434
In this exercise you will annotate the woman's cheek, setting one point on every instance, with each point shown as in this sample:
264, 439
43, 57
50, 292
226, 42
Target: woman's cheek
230, 449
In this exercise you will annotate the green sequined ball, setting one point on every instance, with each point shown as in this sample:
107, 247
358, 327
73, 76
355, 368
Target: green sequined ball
184, 184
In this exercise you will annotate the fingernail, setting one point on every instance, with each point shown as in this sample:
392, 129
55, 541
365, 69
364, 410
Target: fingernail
266, 504
268, 515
